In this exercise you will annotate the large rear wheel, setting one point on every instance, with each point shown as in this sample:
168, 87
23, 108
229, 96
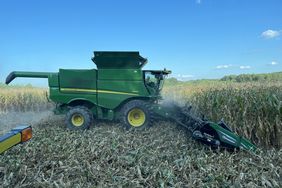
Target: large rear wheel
136, 114
78, 118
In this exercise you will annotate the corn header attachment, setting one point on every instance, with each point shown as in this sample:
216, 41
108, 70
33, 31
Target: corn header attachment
215, 135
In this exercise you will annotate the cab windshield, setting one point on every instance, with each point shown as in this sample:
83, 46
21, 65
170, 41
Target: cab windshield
154, 80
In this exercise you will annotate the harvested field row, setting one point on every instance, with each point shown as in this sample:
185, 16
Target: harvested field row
108, 156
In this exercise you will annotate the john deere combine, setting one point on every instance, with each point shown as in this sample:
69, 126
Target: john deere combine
120, 90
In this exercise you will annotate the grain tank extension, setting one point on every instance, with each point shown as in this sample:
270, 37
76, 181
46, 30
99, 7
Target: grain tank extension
120, 90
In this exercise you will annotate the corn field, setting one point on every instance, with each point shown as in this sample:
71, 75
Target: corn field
253, 110
23, 99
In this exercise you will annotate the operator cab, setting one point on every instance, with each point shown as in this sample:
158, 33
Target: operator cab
154, 80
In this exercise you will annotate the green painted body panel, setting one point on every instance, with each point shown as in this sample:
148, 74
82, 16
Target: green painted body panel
122, 90
231, 138
84, 79
53, 80
118, 60
120, 74
67, 97
132, 88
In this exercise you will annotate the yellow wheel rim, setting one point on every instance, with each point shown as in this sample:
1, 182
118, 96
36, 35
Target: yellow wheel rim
136, 117
77, 120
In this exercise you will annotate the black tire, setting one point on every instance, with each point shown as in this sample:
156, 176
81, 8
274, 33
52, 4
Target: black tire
130, 117
79, 118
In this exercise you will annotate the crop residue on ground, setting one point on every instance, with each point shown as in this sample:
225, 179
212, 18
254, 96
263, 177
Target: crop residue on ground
108, 156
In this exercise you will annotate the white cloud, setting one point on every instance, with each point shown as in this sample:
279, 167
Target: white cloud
273, 63
198, 1
233, 66
223, 66
245, 67
183, 77
269, 34
188, 76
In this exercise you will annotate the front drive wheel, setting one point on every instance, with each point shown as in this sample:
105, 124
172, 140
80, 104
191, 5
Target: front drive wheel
136, 114
78, 118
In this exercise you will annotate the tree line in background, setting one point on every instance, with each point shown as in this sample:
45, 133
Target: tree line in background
276, 76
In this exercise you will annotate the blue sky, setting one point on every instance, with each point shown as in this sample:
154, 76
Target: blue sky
194, 38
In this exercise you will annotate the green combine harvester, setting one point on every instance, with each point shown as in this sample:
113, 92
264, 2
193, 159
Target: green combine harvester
120, 90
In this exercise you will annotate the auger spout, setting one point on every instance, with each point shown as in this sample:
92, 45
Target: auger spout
16, 74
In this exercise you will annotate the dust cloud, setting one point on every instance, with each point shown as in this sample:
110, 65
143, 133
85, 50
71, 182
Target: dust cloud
9, 120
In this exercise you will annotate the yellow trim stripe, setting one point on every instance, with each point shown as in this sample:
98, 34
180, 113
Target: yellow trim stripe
79, 90
10, 142
115, 92
99, 91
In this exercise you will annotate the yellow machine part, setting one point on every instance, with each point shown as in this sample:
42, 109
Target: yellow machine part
77, 120
136, 117
10, 142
